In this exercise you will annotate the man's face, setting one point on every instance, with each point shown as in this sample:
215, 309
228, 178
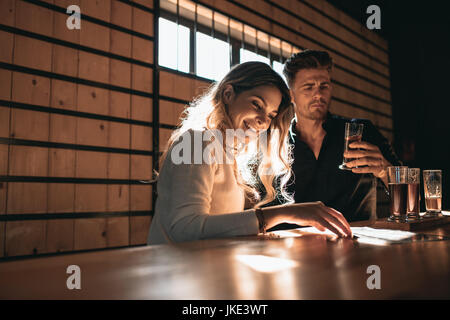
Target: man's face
311, 92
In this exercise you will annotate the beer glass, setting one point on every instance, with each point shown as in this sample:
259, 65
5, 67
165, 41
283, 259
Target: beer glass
353, 133
413, 203
432, 186
398, 190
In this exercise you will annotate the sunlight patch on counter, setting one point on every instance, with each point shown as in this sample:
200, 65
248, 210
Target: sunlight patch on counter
266, 264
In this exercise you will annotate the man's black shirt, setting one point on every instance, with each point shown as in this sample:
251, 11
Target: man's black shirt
354, 195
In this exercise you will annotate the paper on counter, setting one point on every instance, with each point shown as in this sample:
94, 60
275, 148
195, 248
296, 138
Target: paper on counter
370, 235
384, 234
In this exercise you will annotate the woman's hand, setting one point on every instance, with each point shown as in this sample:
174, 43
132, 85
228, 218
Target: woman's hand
314, 214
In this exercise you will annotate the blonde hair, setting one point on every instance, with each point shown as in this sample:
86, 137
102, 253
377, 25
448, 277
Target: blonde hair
267, 166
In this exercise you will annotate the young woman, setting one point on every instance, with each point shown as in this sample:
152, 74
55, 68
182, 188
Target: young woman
210, 170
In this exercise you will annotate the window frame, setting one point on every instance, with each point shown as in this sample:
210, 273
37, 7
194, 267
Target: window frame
234, 43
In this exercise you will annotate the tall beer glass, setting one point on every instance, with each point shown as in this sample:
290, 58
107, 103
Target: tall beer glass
398, 189
413, 204
353, 133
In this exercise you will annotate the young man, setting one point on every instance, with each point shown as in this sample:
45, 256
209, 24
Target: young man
318, 139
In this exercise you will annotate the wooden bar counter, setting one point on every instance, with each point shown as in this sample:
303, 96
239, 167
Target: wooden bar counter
287, 265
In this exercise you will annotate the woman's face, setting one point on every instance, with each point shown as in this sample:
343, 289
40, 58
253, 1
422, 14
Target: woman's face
252, 110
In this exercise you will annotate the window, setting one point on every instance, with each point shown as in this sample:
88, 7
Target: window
278, 67
173, 54
247, 55
199, 40
213, 57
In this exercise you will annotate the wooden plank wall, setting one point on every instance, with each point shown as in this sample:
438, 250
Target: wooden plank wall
76, 125
85, 113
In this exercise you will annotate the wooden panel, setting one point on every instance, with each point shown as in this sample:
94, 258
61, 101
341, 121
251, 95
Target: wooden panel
25, 237
97, 9
26, 197
120, 14
60, 235
93, 100
7, 41
142, 49
89, 234
2, 238
64, 95
62, 128
90, 197
141, 108
170, 112
176, 86
3, 159
200, 87
7, 12
5, 84
117, 232
3, 185
142, 21
118, 166
65, 61
27, 124
359, 84
120, 73
360, 99
139, 227
31, 89
145, 3
34, 18
93, 67
164, 135
94, 36
140, 197
120, 43
90, 164
32, 53
141, 78
4, 121
61, 197
119, 103
92, 132
141, 167
141, 138
119, 135
28, 161
60, 30
118, 197
352, 112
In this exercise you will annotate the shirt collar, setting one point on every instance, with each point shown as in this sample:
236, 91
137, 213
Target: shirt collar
327, 125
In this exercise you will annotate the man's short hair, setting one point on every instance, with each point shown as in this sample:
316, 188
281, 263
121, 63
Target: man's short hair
306, 59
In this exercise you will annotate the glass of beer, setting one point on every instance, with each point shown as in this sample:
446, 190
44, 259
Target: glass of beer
353, 133
398, 190
432, 186
413, 204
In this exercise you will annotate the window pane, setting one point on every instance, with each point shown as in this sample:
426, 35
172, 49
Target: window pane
171, 54
247, 55
213, 57
278, 67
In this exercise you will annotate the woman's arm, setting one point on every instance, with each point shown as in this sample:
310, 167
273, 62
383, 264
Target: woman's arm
184, 197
